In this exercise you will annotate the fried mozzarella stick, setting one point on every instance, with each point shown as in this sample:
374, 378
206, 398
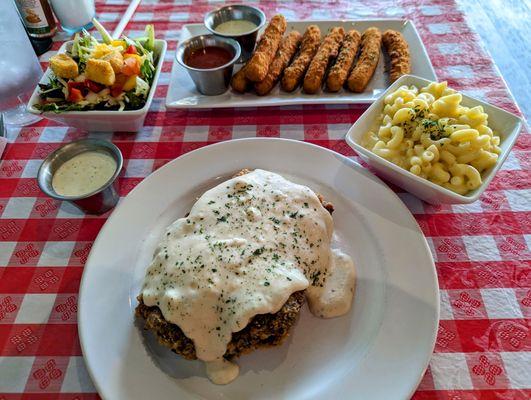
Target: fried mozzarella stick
294, 73
239, 82
359, 78
327, 51
339, 71
285, 53
262, 57
398, 50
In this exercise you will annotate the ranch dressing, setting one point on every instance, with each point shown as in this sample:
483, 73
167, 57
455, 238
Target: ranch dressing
83, 173
235, 27
246, 246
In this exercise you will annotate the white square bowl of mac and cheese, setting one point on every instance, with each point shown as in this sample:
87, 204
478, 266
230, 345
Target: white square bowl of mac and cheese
440, 145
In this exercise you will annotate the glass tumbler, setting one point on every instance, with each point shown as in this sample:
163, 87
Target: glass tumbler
20, 70
74, 15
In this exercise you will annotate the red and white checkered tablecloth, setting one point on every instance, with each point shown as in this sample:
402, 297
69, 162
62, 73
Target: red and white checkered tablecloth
482, 250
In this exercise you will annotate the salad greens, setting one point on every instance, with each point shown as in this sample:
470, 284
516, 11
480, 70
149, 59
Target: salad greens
111, 74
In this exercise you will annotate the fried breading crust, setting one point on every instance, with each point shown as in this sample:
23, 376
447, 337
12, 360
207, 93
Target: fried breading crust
294, 73
339, 71
263, 330
286, 50
239, 82
262, 57
327, 51
363, 71
398, 50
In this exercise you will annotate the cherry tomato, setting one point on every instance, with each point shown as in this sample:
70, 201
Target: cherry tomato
76, 85
74, 95
93, 86
131, 49
131, 66
116, 90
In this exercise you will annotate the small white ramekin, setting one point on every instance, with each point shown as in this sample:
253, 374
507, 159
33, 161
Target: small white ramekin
507, 125
102, 121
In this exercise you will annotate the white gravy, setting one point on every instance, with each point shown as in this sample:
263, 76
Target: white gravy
246, 246
334, 297
222, 371
83, 173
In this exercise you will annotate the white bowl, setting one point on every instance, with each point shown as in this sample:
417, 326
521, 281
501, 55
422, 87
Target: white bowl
502, 122
102, 121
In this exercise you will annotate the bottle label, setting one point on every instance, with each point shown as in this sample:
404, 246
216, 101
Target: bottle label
34, 17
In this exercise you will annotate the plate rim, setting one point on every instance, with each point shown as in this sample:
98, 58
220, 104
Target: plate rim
313, 100
108, 222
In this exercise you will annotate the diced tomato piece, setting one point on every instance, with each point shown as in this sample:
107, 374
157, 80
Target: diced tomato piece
120, 79
116, 90
93, 86
76, 85
131, 66
74, 95
131, 49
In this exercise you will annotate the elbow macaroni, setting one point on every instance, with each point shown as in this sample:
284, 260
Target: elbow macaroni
428, 132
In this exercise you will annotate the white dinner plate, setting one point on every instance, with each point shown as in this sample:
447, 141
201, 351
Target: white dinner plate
379, 350
183, 94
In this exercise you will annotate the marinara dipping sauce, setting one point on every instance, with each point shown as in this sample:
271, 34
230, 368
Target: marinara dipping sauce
208, 57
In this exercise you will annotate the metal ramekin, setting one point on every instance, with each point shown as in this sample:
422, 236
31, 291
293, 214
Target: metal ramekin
211, 81
96, 202
246, 40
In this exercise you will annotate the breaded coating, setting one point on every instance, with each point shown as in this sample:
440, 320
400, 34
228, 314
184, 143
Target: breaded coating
262, 331
239, 82
295, 72
116, 59
363, 71
398, 50
64, 66
327, 51
100, 71
259, 63
287, 49
108, 53
339, 71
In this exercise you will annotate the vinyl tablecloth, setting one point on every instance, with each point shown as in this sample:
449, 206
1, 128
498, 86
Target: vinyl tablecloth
482, 250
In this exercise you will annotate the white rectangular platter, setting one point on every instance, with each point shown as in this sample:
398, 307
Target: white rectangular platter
183, 94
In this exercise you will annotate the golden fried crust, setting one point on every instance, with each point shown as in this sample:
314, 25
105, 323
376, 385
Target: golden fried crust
327, 51
370, 55
258, 64
339, 71
294, 73
239, 82
285, 53
398, 50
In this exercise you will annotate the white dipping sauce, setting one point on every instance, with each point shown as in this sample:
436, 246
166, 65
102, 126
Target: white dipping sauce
235, 27
83, 174
246, 246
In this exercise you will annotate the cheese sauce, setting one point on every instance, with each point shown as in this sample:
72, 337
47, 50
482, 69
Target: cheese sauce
246, 246
83, 174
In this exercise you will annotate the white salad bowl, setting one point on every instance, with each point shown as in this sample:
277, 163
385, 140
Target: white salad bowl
507, 125
102, 120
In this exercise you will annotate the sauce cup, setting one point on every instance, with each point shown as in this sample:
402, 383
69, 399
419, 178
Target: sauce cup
209, 81
246, 40
95, 202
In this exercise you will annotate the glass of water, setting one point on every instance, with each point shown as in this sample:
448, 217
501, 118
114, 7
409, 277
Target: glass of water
20, 70
74, 15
